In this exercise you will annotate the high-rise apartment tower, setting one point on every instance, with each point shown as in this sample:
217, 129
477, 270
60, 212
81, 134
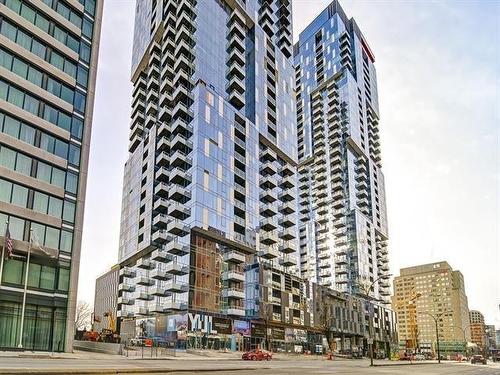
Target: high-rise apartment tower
210, 184
48, 64
343, 222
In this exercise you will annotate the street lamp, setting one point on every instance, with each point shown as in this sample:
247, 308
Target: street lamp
465, 339
436, 318
367, 294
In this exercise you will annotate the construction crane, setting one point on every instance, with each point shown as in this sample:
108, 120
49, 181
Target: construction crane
109, 334
411, 308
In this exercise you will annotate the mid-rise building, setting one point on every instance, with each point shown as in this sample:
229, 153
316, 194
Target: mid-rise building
48, 65
350, 323
343, 220
428, 293
210, 183
106, 300
490, 336
477, 328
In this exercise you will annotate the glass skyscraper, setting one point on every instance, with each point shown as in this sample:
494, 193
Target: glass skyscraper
48, 63
343, 221
210, 187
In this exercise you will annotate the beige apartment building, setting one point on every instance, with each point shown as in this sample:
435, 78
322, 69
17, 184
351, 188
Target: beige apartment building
425, 294
477, 327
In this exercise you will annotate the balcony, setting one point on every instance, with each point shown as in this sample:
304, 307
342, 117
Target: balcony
180, 159
288, 260
287, 221
143, 296
177, 248
124, 314
178, 210
159, 237
126, 287
177, 269
288, 182
269, 238
288, 234
180, 177
174, 306
160, 275
177, 227
269, 253
178, 193
236, 311
287, 195
144, 281
158, 292
156, 309
269, 223
142, 311
162, 160
268, 196
269, 168
127, 272
324, 264
234, 293
125, 301
234, 257
160, 220
269, 209
268, 182
161, 190
287, 208
176, 287
161, 256
145, 264
236, 99
233, 275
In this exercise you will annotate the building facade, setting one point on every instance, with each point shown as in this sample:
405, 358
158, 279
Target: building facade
48, 64
350, 322
490, 334
477, 328
106, 300
429, 291
210, 183
343, 220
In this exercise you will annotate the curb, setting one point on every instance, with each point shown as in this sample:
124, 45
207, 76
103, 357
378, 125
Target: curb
403, 364
123, 370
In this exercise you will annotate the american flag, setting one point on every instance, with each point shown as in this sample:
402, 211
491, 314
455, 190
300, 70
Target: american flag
8, 243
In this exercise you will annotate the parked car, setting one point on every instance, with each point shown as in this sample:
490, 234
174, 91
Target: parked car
137, 341
478, 359
419, 357
257, 355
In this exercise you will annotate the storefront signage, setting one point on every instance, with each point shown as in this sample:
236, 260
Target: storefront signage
242, 327
258, 330
278, 333
208, 324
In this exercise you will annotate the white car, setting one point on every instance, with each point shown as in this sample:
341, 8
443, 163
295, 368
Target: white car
419, 357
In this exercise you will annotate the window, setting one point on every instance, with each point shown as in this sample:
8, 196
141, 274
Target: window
27, 134
47, 278
74, 155
31, 105
87, 28
5, 191
43, 172
55, 207
63, 282
35, 76
61, 149
7, 158
66, 241
79, 102
71, 182
11, 127
13, 271
20, 68
38, 231
40, 202
16, 227
58, 177
69, 212
77, 128
23, 164
34, 275
19, 195
15, 97
52, 238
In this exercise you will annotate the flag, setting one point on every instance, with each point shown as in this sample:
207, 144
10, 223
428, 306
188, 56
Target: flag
35, 242
8, 243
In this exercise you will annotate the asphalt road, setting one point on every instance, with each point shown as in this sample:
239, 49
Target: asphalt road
238, 367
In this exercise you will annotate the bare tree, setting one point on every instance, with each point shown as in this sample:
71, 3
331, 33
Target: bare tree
83, 315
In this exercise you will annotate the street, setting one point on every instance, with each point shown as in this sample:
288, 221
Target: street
120, 365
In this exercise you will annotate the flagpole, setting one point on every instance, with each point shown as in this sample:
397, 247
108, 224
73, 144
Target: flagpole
3, 253
24, 293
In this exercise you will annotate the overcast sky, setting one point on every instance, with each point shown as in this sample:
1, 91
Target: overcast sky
438, 78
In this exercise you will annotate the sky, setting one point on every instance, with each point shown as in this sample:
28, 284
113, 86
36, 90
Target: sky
438, 68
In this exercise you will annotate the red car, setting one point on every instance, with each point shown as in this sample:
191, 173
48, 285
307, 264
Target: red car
257, 355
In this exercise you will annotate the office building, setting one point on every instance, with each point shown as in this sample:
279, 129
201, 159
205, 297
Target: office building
477, 329
48, 64
106, 300
490, 336
210, 183
343, 221
427, 292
